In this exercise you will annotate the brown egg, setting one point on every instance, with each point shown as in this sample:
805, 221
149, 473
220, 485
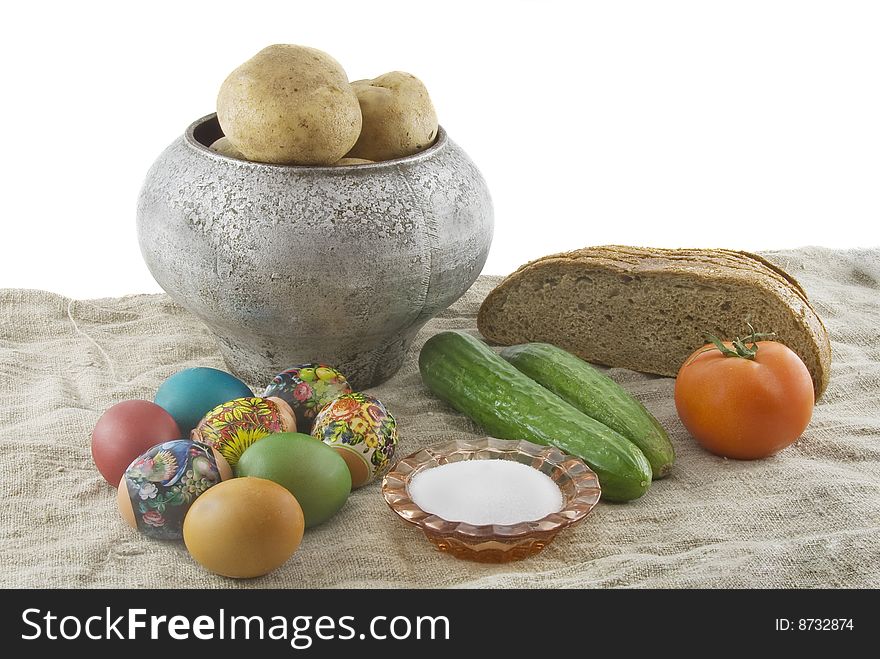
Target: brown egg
244, 527
360, 473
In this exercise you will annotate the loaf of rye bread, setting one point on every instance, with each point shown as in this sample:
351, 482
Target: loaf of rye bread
649, 309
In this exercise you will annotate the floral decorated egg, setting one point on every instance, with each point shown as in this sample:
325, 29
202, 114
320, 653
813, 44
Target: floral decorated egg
233, 426
363, 431
307, 388
158, 488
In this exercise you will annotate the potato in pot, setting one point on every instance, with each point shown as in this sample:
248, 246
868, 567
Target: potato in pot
398, 117
290, 105
224, 147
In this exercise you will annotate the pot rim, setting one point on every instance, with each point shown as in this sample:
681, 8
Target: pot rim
193, 143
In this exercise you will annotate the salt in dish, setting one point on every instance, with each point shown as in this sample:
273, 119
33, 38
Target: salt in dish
496, 542
486, 492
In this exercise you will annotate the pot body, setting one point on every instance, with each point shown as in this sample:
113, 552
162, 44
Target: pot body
288, 265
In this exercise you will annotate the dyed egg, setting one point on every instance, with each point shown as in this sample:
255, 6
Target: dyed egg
307, 388
159, 487
244, 527
236, 424
125, 431
189, 394
363, 431
313, 472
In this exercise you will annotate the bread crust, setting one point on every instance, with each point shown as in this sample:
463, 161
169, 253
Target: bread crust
700, 266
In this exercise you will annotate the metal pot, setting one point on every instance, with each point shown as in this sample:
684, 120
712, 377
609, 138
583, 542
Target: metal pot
291, 264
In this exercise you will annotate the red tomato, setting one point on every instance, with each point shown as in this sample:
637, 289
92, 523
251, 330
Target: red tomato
745, 408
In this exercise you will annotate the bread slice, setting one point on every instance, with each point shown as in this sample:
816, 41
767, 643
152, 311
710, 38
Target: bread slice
649, 309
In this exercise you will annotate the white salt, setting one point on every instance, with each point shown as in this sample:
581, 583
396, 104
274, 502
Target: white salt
486, 492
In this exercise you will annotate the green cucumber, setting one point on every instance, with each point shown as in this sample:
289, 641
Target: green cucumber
596, 395
467, 374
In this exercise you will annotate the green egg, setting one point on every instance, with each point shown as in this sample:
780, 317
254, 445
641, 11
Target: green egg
312, 471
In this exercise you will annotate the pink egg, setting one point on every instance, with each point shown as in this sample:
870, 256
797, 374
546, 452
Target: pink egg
127, 430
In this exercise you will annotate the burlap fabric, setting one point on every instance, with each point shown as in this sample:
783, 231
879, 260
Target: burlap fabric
809, 517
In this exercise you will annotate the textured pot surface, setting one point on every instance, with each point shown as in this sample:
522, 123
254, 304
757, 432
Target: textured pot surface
286, 265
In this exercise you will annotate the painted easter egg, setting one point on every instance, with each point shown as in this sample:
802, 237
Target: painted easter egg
363, 431
158, 488
244, 527
189, 394
233, 426
307, 388
125, 431
313, 472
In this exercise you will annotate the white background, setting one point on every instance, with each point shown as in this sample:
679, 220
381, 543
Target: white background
738, 124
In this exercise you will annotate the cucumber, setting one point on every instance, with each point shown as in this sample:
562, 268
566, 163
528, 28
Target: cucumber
597, 396
467, 374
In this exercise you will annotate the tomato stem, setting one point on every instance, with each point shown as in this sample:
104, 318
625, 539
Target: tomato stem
741, 347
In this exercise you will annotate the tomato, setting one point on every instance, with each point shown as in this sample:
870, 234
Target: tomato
744, 407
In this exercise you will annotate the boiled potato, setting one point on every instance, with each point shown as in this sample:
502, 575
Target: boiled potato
225, 147
398, 117
353, 161
290, 105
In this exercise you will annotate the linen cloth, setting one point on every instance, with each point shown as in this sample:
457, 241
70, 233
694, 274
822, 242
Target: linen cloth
807, 517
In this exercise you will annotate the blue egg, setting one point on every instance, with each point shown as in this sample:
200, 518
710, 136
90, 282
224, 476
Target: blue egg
193, 392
